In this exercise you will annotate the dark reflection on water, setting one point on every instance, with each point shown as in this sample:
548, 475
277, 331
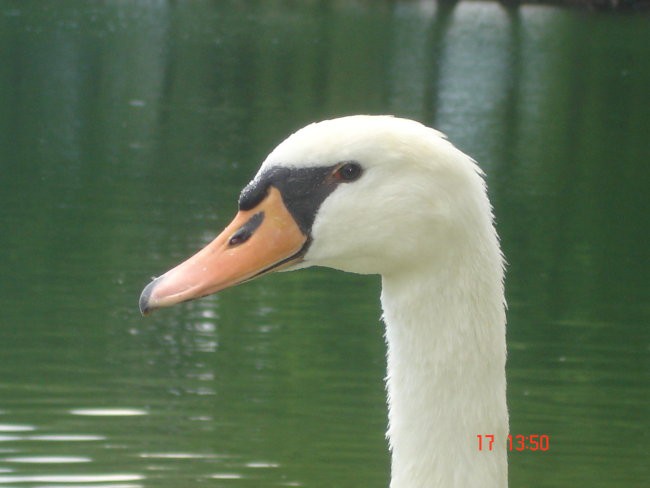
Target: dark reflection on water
126, 132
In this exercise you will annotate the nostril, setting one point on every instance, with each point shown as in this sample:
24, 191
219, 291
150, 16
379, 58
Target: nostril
246, 231
239, 237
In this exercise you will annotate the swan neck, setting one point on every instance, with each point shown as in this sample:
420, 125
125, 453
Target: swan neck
446, 376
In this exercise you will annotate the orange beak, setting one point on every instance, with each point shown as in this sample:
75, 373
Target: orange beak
257, 241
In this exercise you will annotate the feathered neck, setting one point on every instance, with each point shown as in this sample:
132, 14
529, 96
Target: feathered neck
445, 331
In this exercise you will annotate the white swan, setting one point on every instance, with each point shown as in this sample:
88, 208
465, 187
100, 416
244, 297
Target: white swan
377, 194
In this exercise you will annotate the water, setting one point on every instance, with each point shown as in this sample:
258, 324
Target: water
127, 130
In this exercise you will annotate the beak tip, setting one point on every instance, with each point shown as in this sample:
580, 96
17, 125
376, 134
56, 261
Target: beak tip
144, 303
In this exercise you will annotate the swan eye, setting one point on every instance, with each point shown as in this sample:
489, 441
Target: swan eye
348, 172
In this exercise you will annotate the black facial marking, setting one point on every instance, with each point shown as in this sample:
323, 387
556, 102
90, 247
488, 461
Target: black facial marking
303, 190
246, 231
252, 195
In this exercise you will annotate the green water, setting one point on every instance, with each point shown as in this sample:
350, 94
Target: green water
127, 130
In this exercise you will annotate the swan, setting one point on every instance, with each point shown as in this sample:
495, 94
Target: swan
389, 196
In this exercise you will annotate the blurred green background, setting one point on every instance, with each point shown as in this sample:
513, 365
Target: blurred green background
127, 130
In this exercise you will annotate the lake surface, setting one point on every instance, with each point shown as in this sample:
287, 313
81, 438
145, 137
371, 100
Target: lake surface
127, 130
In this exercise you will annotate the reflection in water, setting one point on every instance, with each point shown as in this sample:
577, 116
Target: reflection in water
177, 455
17, 464
65, 437
127, 130
110, 478
16, 428
47, 459
108, 412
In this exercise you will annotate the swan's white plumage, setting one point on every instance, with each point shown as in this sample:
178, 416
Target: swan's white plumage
420, 217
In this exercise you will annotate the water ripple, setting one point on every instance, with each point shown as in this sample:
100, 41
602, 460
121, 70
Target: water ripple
177, 455
65, 437
47, 459
226, 476
89, 478
16, 428
108, 412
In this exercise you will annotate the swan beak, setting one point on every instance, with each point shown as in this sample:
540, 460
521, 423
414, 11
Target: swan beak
257, 241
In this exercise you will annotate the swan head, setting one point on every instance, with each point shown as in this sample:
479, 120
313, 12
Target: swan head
364, 194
